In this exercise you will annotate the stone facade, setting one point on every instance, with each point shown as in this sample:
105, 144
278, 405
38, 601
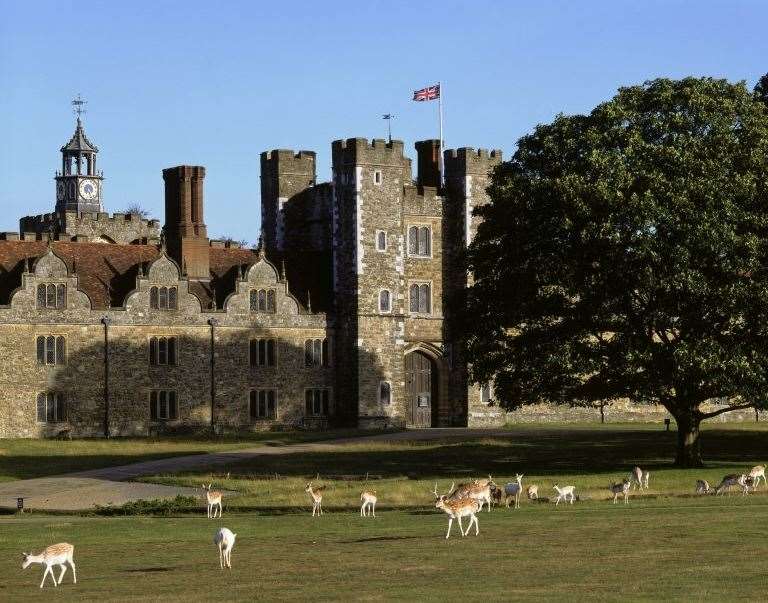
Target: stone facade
319, 325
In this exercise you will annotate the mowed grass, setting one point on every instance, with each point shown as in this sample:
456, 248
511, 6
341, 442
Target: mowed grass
27, 458
404, 472
667, 550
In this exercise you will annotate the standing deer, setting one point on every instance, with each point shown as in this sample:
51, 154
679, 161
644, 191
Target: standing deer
368, 497
621, 488
214, 500
456, 509
756, 473
316, 494
639, 478
225, 540
733, 479
513, 490
57, 554
481, 491
566, 492
702, 486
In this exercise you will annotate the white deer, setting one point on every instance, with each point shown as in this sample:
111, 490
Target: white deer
733, 479
57, 554
316, 494
756, 473
214, 500
639, 478
368, 497
621, 488
456, 509
702, 486
225, 540
566, 492
513, 490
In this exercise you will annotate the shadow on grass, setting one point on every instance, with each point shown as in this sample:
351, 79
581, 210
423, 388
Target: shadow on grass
379, 539
147, 570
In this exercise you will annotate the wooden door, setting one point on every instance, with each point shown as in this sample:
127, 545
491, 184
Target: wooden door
419, 389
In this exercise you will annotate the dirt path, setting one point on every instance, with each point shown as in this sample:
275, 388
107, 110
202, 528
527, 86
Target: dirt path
109, 485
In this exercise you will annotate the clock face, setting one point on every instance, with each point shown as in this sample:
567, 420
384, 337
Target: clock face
60, 189
88, 189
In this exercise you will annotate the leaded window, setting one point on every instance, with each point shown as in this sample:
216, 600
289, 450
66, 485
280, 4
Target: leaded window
51, 349
420, 295
163, 405
263, 404
263, 352
162, 351
317, 402
51, 407
262, 300
163, 298
385, 301
316, 352
420, 241
50, 295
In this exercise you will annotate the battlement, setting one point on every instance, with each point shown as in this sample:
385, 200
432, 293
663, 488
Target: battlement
286, 162
120, 227
467, 160
222, 244
356, 151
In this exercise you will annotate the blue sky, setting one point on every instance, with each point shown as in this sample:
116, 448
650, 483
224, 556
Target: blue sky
216, 83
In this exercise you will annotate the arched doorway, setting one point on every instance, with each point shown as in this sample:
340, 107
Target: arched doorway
420, 389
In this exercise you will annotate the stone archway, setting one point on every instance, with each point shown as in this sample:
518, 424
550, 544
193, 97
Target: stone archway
426, 387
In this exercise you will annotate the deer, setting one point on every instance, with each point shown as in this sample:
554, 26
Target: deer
702, 486
481, 492
639, 478
368, 497
621, 488
316, 494
733, 479
756, 473
513, 489
566, 492
456, 509
225, 540
214, 500
61, 554
496, 495
533, 492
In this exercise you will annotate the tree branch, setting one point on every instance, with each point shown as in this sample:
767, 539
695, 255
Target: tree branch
714, 413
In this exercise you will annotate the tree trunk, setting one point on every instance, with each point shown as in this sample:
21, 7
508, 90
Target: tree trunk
602, 413
688, 446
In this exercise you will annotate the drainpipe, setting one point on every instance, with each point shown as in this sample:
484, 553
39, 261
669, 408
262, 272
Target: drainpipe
106, 321
214, 323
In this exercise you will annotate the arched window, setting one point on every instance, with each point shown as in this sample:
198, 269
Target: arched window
50, 295
263, 300
385, 393
381, 240
271, 300
163, 405
51, 408
384, 301
316, 352
153, 298
163, 298
420, 298
420, 241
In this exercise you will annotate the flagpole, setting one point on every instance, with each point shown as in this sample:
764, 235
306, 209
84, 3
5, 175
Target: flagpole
440, 111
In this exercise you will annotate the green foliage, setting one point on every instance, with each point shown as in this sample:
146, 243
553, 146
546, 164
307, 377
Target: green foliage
157, 506
761, 90
624, 254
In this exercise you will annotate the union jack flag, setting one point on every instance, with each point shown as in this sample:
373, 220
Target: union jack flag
425, 94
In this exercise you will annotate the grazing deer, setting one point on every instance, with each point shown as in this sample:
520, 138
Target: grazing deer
733, 479
621, 488
57, 554
533, 492
756, 473
513, 489
566, 492
316, 494
225, 540
639, 478
214, 500
369, 503
702, 486
456, 509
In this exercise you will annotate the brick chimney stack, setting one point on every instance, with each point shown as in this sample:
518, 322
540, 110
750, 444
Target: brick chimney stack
428, 152
185, 232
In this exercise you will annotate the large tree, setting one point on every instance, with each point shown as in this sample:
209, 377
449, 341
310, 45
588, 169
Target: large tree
625, 254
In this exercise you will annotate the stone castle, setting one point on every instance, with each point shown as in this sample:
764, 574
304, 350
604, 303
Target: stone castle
110, 325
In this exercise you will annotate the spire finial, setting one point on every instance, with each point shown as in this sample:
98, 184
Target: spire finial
309, 302
261, 244
79, 107
282, 269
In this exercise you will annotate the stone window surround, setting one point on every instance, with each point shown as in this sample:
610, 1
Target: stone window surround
378, 178
419, 226
171, 350
171, 405
254, 357
380, 248
254, 404
55, 401
59, 299
163, 298
323, 400
269, 299
385, 400
49, 345
317, 352
431, 297
389, 301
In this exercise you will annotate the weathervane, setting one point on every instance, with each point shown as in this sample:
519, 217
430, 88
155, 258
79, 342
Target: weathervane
78, 105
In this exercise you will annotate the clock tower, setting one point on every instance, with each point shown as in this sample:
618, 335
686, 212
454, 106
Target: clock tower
79, 185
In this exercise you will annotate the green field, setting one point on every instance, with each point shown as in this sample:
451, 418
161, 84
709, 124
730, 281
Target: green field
667, 544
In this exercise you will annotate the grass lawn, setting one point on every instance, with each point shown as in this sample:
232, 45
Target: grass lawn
404, 473
26, 458
650, 550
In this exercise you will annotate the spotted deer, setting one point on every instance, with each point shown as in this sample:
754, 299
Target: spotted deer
733, 479
61, 554
621, 488
513, 490
225, 540
756, 473
316, 494
213, 498
456, 509
482, 491
368, 498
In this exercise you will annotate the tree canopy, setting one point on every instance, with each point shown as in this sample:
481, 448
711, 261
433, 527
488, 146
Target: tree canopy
625, 254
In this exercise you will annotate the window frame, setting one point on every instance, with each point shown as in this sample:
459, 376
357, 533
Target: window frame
486, 394
255, 404
388, 310
378, 177
51, 350
51, 296
313, 358
321, 396
164, 298
430, 301
419, 227
388, 401
163, 347
255, 352
380, 233
262, 301
54, 407
156, 399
